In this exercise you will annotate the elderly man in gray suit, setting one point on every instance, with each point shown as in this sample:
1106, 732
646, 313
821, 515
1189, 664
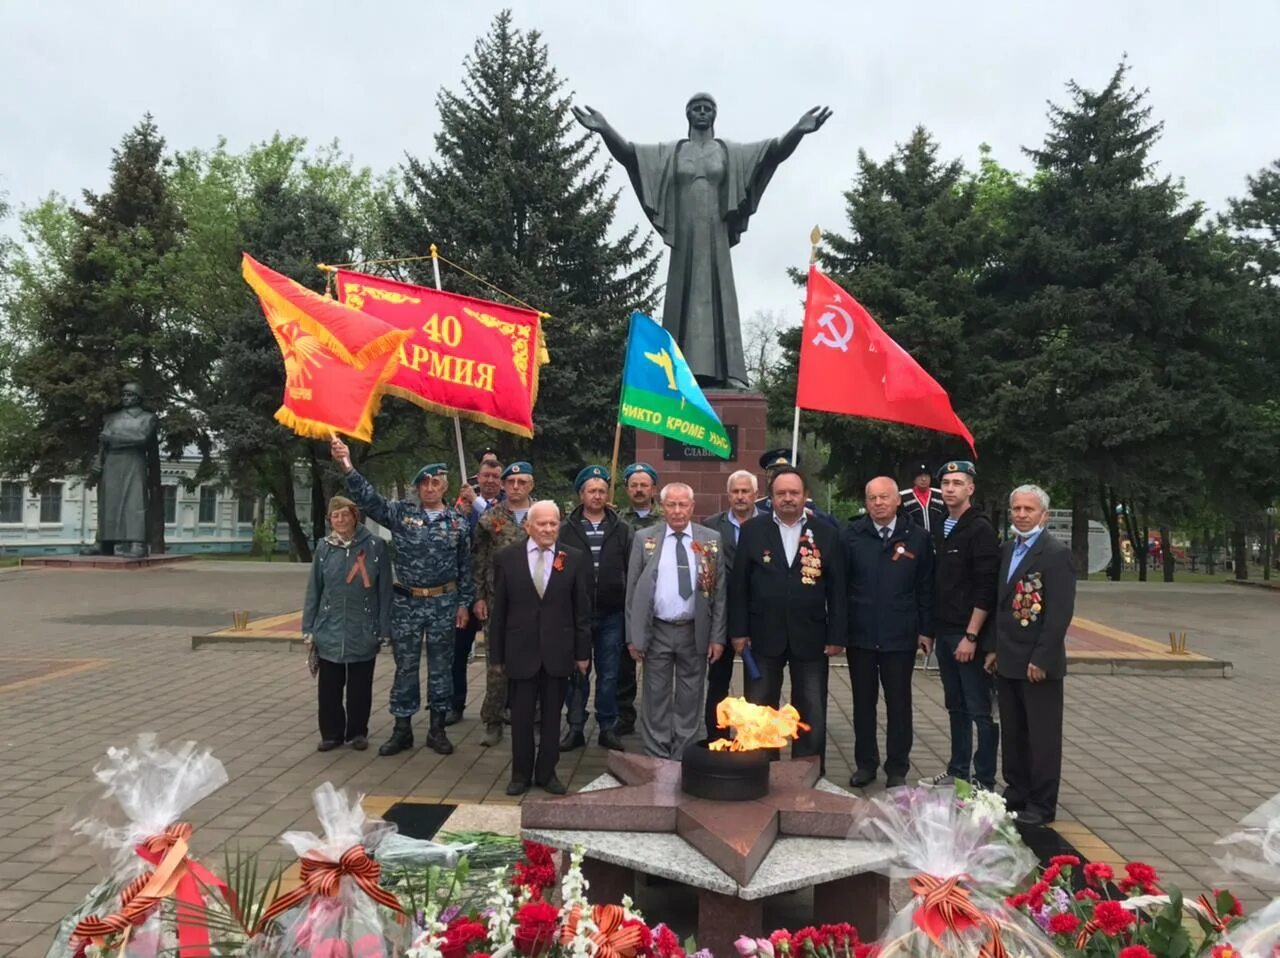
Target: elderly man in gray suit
675, 620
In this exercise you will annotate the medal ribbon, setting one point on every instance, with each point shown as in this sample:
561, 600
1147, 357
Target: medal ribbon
611, 938
174, 876
947, 907
359, 567
323, 877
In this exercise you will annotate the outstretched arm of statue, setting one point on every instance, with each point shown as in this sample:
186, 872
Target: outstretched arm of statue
809, 122
594, 121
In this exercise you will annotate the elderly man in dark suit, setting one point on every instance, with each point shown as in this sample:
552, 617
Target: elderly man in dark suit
742, 488
787, 603
1037, 597
540, 631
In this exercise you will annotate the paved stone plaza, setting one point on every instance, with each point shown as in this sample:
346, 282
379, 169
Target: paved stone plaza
1157, 766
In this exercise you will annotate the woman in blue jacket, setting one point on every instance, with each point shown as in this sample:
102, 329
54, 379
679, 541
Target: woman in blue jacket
347, 614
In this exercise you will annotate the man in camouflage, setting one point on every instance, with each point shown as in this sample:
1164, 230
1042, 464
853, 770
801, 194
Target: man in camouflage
433, 592
643, 510
500, 525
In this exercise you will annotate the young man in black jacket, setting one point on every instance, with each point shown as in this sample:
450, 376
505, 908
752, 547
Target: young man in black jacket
598, 531
889, 571
965, 571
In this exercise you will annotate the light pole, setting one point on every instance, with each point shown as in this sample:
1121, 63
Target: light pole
1268, 544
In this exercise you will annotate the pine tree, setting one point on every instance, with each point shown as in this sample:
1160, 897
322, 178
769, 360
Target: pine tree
515, 195
105, 321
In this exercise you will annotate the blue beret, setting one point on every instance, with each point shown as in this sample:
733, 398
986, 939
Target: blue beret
590, 472
520, 468
431, 470
635, 467
958, 465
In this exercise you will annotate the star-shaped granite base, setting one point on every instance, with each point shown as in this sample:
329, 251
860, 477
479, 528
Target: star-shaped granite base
736, 836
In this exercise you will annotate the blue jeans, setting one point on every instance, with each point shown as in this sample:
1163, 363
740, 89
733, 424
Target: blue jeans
606, 642
969, 692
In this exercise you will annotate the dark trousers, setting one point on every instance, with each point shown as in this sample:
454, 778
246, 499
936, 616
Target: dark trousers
626, 690
968, 690
336, 723
1031, 713
719, 678
527, 695
606, 651
463, 641
808, 695
869, 670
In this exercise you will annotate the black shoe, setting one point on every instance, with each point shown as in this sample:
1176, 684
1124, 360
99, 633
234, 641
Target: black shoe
862, 778
359, 743
895, 781
401, 738
327, 745
515, 787
437, 740
625, 728
453, 717
553, 785
1034, 818
572, 740
1012, 802
610, 740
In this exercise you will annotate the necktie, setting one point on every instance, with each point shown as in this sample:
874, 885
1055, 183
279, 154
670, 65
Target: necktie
540, 572
884, 534
683, 579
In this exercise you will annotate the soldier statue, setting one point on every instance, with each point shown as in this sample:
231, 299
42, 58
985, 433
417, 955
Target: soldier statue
128, 447
433, 592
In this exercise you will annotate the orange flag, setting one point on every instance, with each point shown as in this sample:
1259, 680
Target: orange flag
335, 358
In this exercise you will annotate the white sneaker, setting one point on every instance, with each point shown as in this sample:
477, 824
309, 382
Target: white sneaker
942, 780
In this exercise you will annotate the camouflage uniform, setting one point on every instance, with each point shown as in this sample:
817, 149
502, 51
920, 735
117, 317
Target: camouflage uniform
428, 552
627, 665
496, 527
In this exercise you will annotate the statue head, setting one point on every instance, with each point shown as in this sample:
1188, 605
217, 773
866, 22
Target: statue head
131, 395
701, 111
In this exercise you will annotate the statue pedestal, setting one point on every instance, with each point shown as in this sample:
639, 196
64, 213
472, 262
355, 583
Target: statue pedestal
743, 414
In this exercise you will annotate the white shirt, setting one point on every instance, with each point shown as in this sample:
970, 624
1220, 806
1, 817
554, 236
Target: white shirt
790, 536
667, 603
549, 558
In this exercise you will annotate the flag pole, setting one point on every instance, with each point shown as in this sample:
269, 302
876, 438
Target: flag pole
815, 237
613, 463
457, 423
617, 429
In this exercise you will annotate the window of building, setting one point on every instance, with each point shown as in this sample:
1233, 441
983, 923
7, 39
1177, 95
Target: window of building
244, 510
170, 504
208, 504
51, 503
10, 502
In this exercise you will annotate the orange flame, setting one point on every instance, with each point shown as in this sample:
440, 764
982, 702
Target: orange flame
756, 726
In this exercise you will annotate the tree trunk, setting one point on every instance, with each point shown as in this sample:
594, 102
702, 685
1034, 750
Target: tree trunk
1239, 550
1080, 528
299, 544
1144, 531
1167, 553
1106, 496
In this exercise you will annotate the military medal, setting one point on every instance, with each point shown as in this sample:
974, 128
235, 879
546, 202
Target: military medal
766, 557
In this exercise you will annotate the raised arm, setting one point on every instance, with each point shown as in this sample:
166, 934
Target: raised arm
361, 489
809, 122
614, 141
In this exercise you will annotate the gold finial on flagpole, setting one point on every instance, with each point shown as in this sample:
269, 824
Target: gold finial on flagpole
815, 237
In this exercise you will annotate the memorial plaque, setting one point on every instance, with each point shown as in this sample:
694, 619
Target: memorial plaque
673, 450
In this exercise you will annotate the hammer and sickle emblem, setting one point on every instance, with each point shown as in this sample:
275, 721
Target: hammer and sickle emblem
831, 333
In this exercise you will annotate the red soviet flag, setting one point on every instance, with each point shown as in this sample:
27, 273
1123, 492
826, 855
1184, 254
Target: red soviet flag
849, 365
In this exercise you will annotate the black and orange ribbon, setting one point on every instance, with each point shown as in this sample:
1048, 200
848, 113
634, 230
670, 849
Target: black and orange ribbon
613, 938
320, 876
1218, 923
173, 875
358, 567
945, 906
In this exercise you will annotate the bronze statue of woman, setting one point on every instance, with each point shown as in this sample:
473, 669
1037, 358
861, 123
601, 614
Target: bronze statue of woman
127, 449
699, 194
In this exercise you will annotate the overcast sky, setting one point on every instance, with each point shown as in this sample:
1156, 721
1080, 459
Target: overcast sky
77, 76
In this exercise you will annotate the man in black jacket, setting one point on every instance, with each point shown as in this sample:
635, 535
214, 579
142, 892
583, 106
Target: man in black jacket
889, 570
786, 602
921, 503
965, 566
598, 531
1034, 605
742, 488
540, 629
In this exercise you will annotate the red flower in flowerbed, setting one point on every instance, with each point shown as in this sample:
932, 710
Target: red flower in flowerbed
462, 931
537, 871
1098, 873
1141, 877
1064, 924
1112, 918
536, 924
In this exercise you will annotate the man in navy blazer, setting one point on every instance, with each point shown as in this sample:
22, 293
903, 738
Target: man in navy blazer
540, 631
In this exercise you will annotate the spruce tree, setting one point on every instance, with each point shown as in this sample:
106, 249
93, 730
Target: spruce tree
515, 195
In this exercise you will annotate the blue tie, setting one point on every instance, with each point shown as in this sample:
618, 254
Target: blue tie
1018, 552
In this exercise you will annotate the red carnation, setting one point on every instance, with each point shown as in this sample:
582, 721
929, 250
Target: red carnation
1098, 873
1235, 909
841, 934
537, 872
1017, 901
460, 933
1224, 951
1142, 873
1036, 893
666, 944
781, 941
1136, 951
1051, 874
536, 923
1112, 917
807, 940
1064, 861
1063, 924
869, 950
1087, 894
